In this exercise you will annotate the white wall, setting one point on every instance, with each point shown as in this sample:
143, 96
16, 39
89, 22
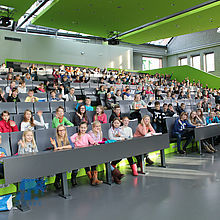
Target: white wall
198, 43
146, 50
50, 49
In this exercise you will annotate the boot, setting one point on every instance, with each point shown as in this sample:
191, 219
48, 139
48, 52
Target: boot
115, 175
73, 180
142, 171
212, 148
148, 160
120, 175
95, 180
89, 174
134, 169
207, 149
57, 183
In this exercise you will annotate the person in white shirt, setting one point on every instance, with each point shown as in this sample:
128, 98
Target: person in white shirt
29, 123
22, 87
10, 87
127, 95
70, 96
122, 133
127, 131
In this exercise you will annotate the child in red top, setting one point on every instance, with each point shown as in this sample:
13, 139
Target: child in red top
7, 125
82, 139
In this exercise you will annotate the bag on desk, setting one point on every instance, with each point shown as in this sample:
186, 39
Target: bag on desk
110, 141
6, 202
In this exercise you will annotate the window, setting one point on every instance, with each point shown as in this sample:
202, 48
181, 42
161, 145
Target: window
209, 62
195, 62
150, 63
182, 61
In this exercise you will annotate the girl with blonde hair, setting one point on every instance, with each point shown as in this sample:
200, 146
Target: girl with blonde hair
96, 132
143, 129
63, 142
27, 144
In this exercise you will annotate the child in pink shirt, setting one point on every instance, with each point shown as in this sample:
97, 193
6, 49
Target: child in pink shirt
100, 115
96, 132
142, 129
82, 139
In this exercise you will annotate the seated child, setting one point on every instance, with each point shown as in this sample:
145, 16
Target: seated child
82, 139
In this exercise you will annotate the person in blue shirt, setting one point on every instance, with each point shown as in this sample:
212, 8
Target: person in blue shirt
212, 118
87, 104
62, 142
2, 154
181, 130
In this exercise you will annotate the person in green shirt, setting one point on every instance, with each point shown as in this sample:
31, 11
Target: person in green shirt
60, 119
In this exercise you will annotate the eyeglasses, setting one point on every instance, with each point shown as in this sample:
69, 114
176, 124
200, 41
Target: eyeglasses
62, 130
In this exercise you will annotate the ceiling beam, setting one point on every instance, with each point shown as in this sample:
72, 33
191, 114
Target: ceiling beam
162, 19
31, 14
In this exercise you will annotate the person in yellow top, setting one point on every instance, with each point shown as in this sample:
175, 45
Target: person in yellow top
31, 97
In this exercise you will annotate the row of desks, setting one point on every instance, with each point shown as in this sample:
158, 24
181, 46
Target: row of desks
205, 132
31, 166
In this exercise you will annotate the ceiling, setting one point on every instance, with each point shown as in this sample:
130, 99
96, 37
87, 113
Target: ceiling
99, 18
207, 17
20, 6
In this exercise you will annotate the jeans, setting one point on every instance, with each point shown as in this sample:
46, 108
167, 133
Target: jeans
157, 128
59, 175
1, 171
179, 135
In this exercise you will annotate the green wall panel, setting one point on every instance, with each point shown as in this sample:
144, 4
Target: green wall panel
182, 72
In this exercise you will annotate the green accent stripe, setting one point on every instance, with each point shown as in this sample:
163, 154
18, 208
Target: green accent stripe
126, 70
46, 63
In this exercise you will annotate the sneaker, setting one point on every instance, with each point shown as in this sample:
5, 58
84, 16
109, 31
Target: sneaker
149, 161
208, 150
212, 148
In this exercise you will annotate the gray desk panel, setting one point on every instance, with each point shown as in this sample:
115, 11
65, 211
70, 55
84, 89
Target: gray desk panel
48, 163
207, 132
